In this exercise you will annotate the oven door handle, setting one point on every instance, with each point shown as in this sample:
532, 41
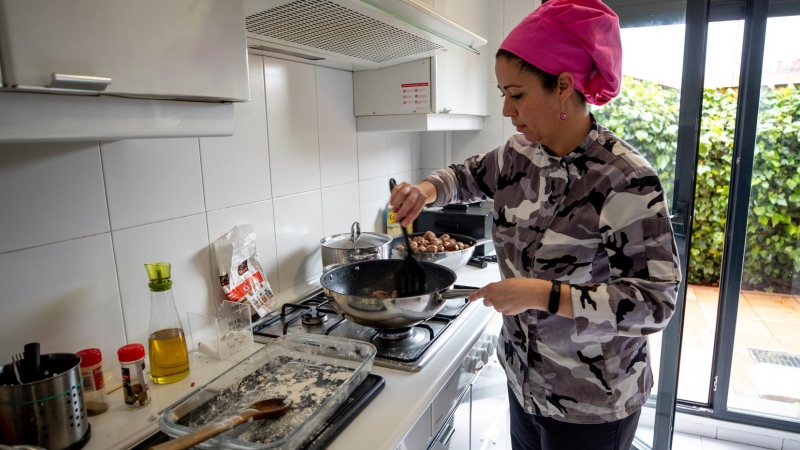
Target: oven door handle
447, 435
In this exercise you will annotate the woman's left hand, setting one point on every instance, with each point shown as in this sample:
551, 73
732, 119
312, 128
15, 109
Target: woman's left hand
514, 295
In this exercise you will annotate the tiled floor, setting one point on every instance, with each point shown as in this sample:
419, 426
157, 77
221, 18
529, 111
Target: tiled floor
765, 321
688, 442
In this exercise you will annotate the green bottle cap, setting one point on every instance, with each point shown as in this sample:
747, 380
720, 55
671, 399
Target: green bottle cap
159, 274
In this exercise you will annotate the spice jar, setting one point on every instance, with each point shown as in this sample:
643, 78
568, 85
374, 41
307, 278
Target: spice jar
94, 386
134, 381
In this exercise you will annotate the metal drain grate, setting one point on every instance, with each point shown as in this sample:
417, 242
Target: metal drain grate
328, 26
780, 359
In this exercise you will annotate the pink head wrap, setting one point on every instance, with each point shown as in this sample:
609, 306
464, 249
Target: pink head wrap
576, 36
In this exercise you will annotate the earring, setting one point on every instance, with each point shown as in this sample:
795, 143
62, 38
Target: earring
562, 116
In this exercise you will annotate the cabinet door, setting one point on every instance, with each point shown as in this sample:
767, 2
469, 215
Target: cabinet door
148, 48
455, 432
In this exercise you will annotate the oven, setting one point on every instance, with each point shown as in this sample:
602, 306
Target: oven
447, 421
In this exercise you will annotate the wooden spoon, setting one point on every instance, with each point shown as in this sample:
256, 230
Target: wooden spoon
271, 408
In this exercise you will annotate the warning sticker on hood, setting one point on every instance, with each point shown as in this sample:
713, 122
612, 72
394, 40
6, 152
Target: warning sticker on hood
416, 97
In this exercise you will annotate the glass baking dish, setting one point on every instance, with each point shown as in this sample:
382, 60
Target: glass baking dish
317, 372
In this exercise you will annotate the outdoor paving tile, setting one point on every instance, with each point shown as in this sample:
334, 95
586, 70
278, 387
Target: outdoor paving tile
773, 301
709, 313
791, 345
740, 379
783, 330
745, 309
706, 293
764, 321
778, 314
695, 376
754, 334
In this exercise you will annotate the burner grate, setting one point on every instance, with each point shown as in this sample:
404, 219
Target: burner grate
406, 354
777, 358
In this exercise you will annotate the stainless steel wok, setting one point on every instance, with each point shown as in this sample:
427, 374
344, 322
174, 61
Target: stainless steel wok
453, 260
350, 288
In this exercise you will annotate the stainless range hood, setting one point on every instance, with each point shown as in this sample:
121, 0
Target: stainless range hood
353, 34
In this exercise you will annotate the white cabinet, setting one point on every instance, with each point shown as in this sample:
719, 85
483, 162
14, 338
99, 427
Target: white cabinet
132, 65
177, 49
444, 92
438, 93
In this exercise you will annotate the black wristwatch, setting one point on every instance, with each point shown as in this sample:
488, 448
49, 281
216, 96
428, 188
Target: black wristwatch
555, 297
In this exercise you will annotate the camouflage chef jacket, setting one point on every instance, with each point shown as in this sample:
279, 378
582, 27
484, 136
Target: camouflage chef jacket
597, 220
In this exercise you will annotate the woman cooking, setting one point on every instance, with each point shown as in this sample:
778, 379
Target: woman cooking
582, 234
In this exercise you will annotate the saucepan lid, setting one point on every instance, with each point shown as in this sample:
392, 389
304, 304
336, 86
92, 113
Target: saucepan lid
355, 239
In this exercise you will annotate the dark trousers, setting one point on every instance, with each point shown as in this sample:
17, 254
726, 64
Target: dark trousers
532, 432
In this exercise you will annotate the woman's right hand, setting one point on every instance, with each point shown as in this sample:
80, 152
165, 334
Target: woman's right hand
408, 200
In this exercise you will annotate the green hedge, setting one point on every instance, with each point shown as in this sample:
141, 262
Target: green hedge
646, 116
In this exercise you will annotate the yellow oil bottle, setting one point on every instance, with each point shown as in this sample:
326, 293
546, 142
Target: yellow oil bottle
169, 358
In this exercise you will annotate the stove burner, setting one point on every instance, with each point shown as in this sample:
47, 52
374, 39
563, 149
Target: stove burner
396, 334
314, 317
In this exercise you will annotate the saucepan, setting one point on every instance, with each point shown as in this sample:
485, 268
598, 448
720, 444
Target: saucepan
351, 289
453, 260
354, 246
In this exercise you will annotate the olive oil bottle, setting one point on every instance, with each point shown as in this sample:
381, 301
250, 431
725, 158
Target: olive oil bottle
169, 358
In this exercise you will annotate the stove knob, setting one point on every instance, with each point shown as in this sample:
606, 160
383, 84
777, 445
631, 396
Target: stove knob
480, 353
488, 337
468, 363
489, 347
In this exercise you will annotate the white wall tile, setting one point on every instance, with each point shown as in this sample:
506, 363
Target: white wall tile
261, 217
407, 177
63, 296
400, 152
50, 192
749, 438
236, 168
373, 155
471, 143
181, 242
416, 155
419, 176
150, 180
298, 230
374, 195
340, 208
338, 140
432, 147
292, 126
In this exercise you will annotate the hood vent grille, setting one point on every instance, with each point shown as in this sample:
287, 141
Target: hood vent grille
333, 28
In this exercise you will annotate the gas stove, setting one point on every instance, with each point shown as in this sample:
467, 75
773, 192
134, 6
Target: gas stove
405, 349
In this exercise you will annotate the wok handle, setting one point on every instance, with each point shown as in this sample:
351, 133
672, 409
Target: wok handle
482, 241
456, 293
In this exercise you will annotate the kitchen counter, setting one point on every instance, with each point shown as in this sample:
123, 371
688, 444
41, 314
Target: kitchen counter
381, 425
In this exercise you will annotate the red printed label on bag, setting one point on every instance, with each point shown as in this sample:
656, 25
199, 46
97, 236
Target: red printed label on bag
250, 284
240, 273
